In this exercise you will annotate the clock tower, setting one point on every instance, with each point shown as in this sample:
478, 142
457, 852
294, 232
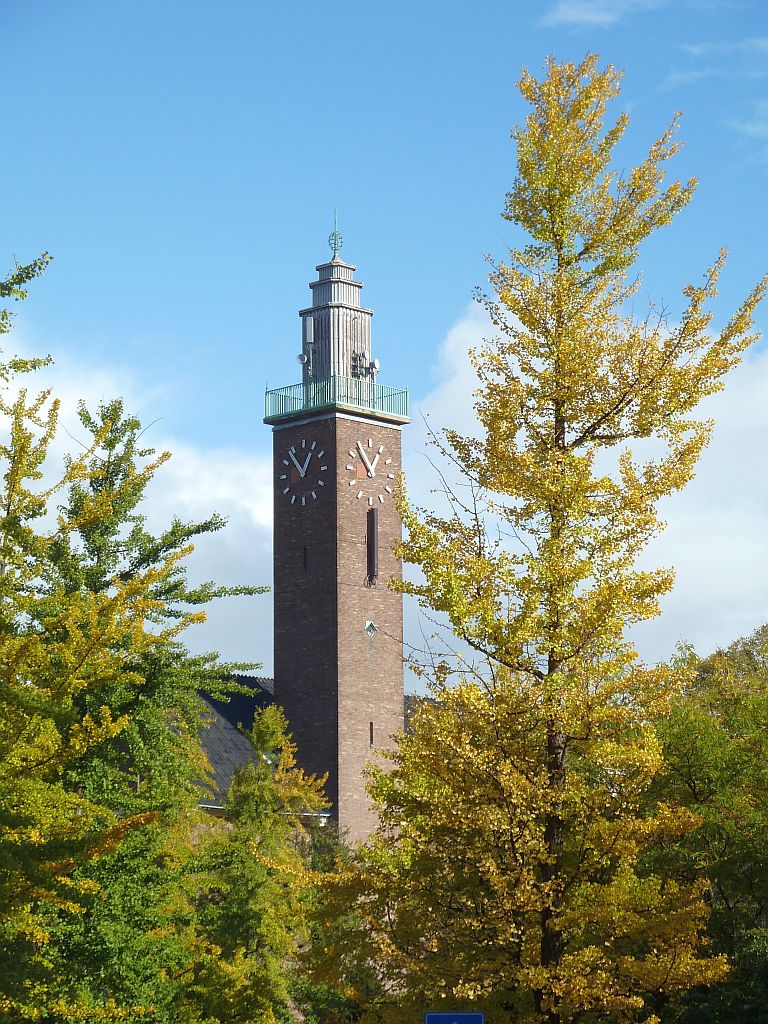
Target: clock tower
338, 626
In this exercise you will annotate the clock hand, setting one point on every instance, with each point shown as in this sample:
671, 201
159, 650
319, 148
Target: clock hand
373, 464
363, 456
292, 457
303, 469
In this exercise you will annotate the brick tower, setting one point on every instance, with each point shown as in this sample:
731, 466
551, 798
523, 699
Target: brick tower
338, 627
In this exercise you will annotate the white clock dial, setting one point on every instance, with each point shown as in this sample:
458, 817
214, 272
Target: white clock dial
301, 472
370, 472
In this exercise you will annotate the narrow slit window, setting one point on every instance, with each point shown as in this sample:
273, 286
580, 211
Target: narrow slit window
306, 558
370, 734
372, 545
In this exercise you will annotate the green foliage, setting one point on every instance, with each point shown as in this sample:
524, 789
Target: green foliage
60, 651
134, 945
13, 287
716, 765
325, 990
154, 764
254, 905
195, 918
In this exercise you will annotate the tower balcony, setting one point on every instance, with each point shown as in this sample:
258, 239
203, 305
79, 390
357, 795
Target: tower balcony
359, 395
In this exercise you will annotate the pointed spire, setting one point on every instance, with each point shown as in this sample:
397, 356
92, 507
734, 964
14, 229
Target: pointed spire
335, 240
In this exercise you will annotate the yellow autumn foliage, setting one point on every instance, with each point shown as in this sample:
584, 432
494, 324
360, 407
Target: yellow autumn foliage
508, 871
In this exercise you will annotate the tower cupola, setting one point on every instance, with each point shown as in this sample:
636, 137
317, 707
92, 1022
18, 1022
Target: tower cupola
338, 369
336, 329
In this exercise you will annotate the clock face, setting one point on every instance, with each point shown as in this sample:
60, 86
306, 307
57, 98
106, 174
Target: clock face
370, 472
301, 474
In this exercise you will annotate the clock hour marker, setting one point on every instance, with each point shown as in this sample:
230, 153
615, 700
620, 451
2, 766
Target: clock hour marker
370, 501
352, 483
292, 449
352, 452
387, 461
286, 462
303, 442
352, 468
314, 494
359, 494
388, 489
293, 499
390, 476
370, 442
320, 454
381, 499
303, 500
323, 467
286, 489
312, 446
381, 448
283, 476
321, 483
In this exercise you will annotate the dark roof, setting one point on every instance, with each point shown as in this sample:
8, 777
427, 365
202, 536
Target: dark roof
412, 702
222, 739
239, 710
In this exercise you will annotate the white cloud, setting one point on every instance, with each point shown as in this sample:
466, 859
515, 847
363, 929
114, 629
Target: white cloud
717, 533
678, 78
192, 485
238, 485
195, 478
450, 401
596, 13
756, 125
757, 45
734, 60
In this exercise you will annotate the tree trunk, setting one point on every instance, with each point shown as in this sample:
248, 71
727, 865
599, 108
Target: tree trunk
552, 948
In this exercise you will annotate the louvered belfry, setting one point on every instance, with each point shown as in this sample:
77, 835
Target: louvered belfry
336, 326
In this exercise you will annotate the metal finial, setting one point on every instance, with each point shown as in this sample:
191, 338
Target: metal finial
334, 239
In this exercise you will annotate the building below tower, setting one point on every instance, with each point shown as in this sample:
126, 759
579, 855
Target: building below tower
228, 749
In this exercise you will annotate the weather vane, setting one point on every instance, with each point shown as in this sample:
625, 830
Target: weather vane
334, 239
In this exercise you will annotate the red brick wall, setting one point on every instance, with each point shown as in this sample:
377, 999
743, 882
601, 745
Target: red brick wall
332, 679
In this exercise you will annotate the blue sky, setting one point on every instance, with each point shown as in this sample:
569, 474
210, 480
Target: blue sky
182, 162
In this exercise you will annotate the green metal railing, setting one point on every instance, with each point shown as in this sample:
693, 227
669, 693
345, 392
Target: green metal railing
353, 393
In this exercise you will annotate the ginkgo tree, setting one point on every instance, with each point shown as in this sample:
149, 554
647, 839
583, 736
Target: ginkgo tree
507, 872
193, 918
56, 645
